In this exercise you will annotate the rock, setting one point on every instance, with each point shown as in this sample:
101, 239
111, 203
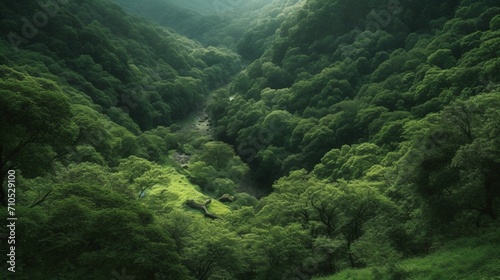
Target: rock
181, 158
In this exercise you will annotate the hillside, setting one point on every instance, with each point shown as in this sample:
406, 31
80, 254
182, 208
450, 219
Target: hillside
368, 132
116, 59
247, 27
466, 258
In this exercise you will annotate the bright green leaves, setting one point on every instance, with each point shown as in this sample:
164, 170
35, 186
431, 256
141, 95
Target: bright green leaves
215, 253
33, 110
217, 154
133, 168
279, 251
332, 215
36, 123
202, 173
135, 177
85, 172
349, 162
216, 168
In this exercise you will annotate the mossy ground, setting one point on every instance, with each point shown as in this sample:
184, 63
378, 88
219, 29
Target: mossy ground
179, 189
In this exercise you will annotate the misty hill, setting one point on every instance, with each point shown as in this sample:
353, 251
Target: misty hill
113, 58
220, 22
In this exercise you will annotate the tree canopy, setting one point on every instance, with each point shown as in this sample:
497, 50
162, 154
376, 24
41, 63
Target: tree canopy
288, 139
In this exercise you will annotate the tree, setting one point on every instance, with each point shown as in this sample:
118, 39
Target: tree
455, 162
269, 162
111, 233
152, 146
495, 23
334, 216
94, 131
35, 123
214, 252
478, 159
279, 252
316, 143
349, 162
216, 167
442, 58
276, 77
217, 154
281, 124
202, 174
85, 172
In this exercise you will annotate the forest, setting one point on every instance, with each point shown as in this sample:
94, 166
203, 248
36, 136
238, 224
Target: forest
250, 140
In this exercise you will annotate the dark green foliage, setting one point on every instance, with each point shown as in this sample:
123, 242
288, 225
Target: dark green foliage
89, 48
455, 174
90, 231
367, 74
31, 134
220, 23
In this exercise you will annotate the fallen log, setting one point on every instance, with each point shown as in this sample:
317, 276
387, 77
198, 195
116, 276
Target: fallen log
203, 207
226, 198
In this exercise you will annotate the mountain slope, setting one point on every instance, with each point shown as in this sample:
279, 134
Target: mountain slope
352, 85
121, 62
234, 24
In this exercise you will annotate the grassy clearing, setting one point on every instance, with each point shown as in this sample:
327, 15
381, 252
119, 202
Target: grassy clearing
472, 258
175, 194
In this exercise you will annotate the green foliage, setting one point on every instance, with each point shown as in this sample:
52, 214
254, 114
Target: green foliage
442, 58
111, 233
91, 51
375, 124
338, 217
348, 162
281, 251
478, 260
31, 134
217, 169
453, 175
495, 23
215, 253
220, 23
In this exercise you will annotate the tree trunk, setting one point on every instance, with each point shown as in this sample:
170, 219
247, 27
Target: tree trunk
349, 253
38, 201
203, 207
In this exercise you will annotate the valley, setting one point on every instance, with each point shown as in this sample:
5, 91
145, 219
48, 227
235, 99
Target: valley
250, 140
